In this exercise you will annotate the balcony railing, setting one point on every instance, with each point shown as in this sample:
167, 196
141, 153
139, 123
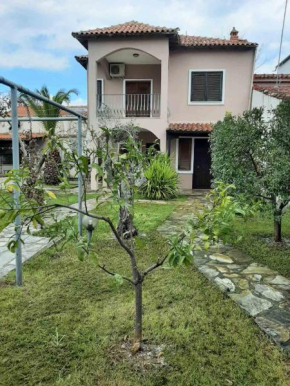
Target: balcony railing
129, 105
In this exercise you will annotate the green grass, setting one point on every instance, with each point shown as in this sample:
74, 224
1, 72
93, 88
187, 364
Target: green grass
68, 322
5, 202
255, 232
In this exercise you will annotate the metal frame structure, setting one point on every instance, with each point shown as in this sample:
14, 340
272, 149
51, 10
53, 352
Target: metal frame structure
15, 154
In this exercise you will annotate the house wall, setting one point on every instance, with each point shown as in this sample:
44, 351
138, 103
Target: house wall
284, 68
171, 80
141, 71
156, 47
269, 103
238, 66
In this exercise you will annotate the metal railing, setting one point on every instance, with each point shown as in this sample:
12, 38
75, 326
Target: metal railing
129, 105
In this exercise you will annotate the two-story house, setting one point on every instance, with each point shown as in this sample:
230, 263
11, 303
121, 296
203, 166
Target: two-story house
174, 86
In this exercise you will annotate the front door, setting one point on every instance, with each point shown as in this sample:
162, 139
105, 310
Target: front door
201, 167
138, 98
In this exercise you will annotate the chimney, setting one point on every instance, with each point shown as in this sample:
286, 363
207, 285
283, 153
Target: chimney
234, 34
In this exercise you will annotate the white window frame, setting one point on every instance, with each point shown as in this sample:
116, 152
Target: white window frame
205, 103
192, 153
137, 80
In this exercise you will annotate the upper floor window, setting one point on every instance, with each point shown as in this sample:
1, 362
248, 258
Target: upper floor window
206, 87
100, 92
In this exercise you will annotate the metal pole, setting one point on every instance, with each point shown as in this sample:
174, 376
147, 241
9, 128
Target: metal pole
80, 187
39, 96
40, 119
16, 193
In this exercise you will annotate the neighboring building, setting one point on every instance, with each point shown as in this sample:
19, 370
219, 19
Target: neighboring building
65, 130
174, 86
284, 66
269, 90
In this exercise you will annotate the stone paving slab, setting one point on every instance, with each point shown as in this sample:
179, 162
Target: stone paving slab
260, 291
33, 245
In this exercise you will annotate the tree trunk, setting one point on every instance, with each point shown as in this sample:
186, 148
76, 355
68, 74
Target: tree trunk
126, 228
278, 225
138, 317
277, 230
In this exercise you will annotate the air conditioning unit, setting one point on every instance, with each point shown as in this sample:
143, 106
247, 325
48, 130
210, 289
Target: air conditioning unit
117, 70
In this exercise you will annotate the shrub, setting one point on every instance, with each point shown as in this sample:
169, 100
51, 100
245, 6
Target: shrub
161, 179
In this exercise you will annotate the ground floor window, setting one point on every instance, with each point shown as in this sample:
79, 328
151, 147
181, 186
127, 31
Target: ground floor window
185, 154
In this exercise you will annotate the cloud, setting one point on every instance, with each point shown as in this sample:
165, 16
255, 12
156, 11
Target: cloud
22, 58
78, 102
37, 34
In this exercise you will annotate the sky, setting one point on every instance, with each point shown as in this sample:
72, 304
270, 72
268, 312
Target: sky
37, 48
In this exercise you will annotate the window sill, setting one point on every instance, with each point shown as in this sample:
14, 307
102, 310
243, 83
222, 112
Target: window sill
184, 171
206, 103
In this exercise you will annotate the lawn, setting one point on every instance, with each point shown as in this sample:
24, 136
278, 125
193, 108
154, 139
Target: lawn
5, 202
255, 232
68, 323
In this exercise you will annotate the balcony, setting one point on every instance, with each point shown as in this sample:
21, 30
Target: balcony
129, 105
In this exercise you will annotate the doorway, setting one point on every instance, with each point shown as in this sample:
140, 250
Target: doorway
202, 163
138, 98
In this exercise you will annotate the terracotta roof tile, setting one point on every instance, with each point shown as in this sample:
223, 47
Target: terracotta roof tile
7, 137
131, 28
136, 28
200, 41
271, 76
22, 111
83, 60
280, 92
190, 127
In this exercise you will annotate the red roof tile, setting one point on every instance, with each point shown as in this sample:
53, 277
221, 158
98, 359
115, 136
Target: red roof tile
280, 92
200, 41
7, 137
131, 28
83, 60
24, 112
271, 76
190, 127
136, 28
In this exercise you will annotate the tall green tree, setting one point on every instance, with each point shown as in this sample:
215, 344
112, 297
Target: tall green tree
254, 155
51, 160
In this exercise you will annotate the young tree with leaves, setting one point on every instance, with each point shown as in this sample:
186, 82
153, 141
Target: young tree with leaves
254, 155
215, 222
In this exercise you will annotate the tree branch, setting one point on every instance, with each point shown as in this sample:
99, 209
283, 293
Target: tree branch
254, 164
159, 262
113, 274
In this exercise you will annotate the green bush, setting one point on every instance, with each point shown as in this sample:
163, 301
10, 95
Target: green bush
161, 179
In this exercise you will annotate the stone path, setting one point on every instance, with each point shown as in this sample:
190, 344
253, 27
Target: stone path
260, 291
33, 245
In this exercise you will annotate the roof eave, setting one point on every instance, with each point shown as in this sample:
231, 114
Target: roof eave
83, 38
82, 61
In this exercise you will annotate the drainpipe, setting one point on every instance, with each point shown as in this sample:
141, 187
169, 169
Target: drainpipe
252, 81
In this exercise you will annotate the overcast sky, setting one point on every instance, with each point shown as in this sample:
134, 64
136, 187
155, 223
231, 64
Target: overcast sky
36, 46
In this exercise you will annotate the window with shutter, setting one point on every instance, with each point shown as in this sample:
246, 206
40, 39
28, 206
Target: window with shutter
185, 154
206, 86
99, 93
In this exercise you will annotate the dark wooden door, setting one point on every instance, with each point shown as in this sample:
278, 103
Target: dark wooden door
202, 162
138, 98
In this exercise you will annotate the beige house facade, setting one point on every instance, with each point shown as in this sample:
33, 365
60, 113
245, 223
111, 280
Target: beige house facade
174, 87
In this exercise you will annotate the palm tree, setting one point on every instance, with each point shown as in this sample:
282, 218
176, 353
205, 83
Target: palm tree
51, 160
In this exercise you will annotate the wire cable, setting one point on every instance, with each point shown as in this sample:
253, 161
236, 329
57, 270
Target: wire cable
281, 41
